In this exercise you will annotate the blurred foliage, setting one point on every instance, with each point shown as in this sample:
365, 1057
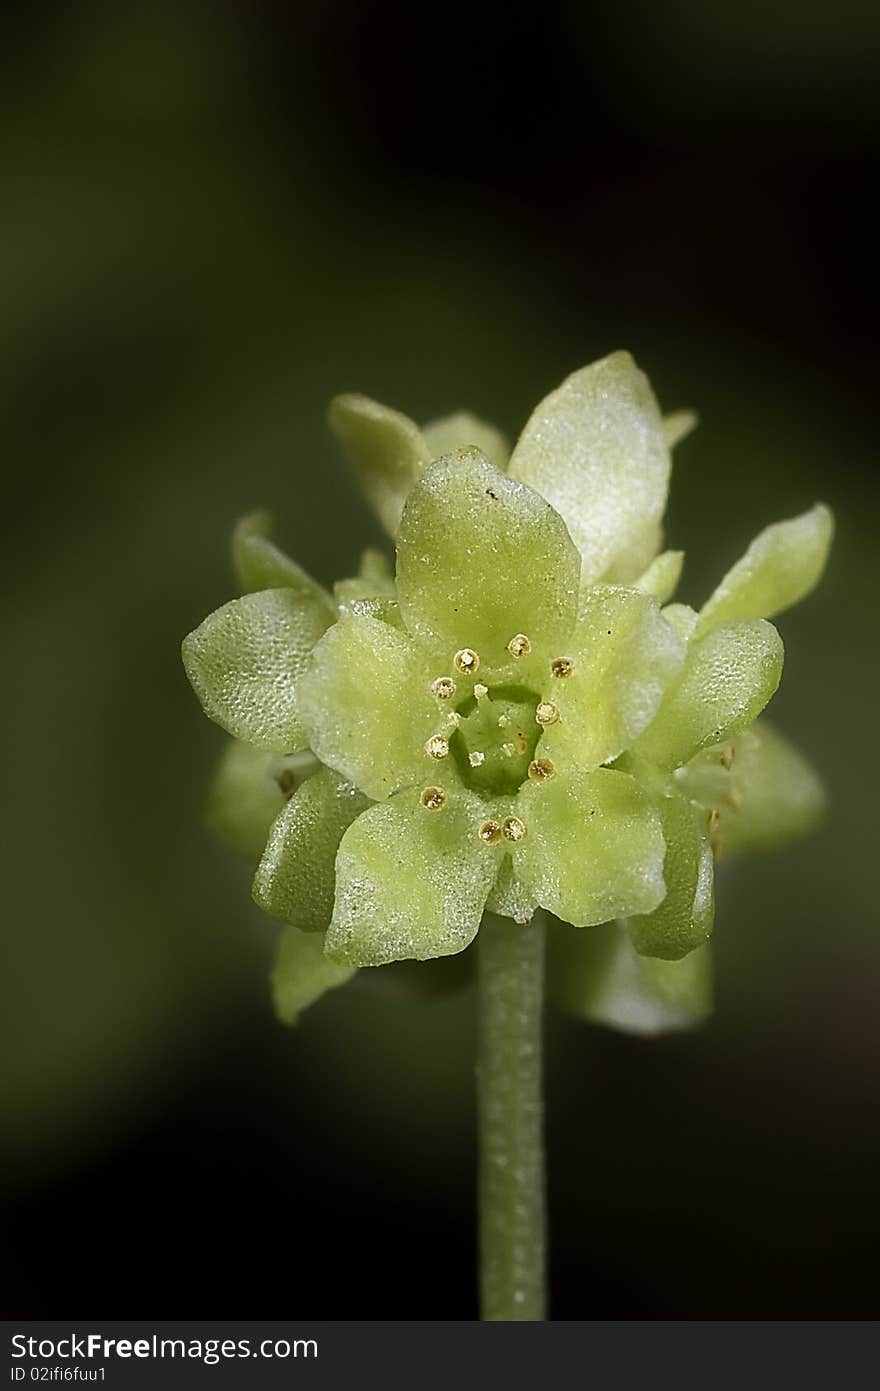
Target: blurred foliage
198, 251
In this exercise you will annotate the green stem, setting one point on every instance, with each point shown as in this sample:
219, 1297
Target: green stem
510, 1115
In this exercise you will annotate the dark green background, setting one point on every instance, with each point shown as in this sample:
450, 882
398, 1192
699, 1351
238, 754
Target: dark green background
213, 219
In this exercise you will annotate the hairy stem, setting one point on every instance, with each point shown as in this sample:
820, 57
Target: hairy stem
510, 1115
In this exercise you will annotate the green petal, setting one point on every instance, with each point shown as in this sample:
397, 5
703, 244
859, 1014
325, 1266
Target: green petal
302, 973
644, 545
596, 449
367, 704
387, 450
682, 618
678, 425
598, 975
372, 592
482, 558
624, 655
728, 678
411, 883
377, 570
245, 662
683, 920
465, 431
763, 789
662, 576
296, 878
780, 567
593, 848
250, 788
509, 897
260, 564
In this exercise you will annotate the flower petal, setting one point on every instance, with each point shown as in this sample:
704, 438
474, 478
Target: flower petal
623, 656
728, 678
260, 564
598, 975
781, 566
678, 425
662, 576
683, 921
465, 431
296, 878
245, 661
764, 791
481, 558
302, 973
509, 897
593, 848
367, 704
596, 449
250, 788
386, 448
411, 882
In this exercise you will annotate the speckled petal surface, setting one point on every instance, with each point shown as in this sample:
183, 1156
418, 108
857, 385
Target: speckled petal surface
596, 450
593, 848
462, 430
481, 558
245, 662
728, 678
296, 877
411, 883
781, 566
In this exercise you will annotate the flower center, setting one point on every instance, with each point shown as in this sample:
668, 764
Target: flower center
495, 740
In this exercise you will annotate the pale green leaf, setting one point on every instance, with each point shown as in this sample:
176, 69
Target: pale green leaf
302, 973
411, 883
683, 921
599, 976
781, 566
296, 877
481, 558
245, 662
386, 448
596, 450
728, 678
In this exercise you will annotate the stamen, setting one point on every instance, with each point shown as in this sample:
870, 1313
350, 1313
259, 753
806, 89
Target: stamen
481, 691
513, 829
476, 758
443, 688
437, 746
503, 721
547, 712
519, 646
563, 666
466, 660
433, 798
490, 833
508, 750
542, 769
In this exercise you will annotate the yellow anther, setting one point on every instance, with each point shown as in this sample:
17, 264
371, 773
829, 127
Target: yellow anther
490, 833
513, 829
563, 666
476, 758
437, 746
443, 688
433, 798
466, 660
546, 713
481, 691
542, 769
519, 646
727, 756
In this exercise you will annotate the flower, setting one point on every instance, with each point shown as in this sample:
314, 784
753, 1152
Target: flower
513, 720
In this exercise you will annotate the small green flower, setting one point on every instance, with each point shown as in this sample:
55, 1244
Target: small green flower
511, 721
